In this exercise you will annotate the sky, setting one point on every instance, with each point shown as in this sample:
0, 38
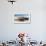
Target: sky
37, 28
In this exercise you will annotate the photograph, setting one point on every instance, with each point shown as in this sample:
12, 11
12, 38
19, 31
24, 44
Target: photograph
22, 22
22, 18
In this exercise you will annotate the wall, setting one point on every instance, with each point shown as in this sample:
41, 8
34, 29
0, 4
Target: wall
37, 28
